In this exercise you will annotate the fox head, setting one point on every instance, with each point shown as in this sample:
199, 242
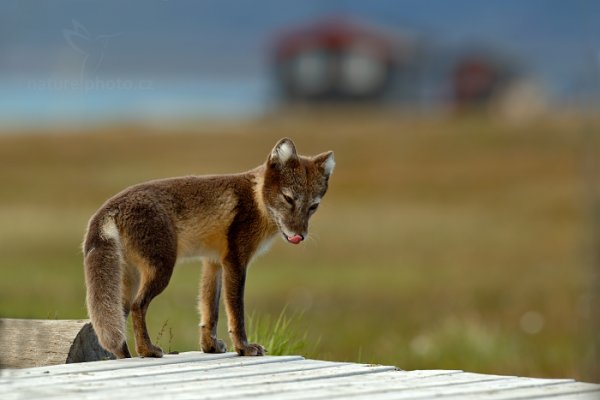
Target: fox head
293, 188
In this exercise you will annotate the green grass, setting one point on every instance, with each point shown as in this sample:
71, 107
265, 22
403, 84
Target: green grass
436, 238
281, 335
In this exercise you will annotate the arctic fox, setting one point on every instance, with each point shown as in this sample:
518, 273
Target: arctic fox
134, 240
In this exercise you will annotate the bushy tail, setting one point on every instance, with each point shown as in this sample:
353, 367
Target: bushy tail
102, 260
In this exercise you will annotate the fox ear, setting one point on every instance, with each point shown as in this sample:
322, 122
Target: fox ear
283, 151
325, 162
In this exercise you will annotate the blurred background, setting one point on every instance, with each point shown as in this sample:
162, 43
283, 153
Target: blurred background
461, 229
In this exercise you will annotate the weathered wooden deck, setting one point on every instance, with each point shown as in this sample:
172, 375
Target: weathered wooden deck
196, 375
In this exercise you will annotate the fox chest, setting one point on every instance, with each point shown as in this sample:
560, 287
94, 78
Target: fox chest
203, 242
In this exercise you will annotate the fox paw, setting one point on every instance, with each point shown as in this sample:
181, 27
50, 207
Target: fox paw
251, 349
150, 351
214, 346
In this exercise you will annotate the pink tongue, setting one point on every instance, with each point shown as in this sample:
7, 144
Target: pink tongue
295, 239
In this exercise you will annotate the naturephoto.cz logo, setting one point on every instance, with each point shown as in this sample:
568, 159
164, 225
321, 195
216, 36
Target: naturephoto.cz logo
92, 49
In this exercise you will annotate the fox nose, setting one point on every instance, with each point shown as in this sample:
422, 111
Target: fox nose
295, 239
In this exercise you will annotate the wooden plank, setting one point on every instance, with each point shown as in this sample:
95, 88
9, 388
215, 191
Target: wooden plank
31, 342
346, 386
177, 373
258, 384
179, 379
225, 376
150, 367
564, 390
472, 385
401, 380
319, 386
139, 385
476, 386
415, 374
137, 362
414, 389
573, 396
202, 386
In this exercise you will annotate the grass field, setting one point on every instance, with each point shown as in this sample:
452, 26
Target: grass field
448, 243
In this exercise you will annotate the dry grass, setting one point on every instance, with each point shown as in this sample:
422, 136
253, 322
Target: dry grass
435, 241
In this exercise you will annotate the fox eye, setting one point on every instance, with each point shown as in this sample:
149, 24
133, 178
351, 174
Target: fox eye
288, 199
313, 208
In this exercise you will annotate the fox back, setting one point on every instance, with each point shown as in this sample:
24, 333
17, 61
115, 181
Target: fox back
134, 240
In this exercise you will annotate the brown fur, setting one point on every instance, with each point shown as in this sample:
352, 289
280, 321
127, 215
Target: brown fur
134, 240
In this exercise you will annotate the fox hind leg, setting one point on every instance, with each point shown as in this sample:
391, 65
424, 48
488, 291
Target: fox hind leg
129, 287
155, 269
151, 244
154, 279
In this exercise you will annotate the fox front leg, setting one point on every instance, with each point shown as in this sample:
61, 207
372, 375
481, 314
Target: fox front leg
234, 278
209, 308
